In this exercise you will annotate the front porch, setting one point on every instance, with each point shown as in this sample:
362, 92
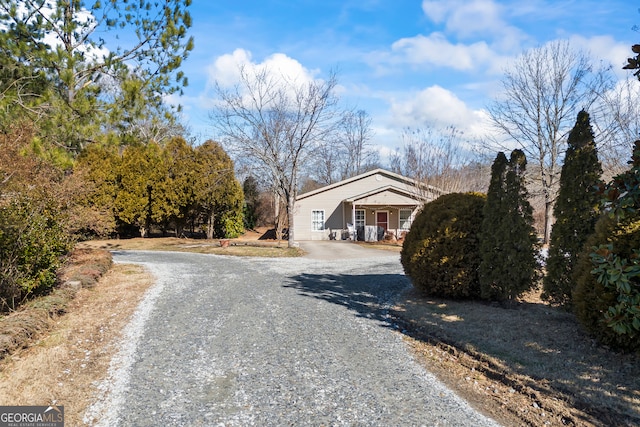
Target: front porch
370, 223
373, 206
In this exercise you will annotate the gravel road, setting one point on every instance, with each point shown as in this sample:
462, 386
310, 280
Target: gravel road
224, 341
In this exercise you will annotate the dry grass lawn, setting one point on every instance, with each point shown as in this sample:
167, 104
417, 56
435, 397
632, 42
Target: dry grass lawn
62, 366
527, 365
530, 365
237, 247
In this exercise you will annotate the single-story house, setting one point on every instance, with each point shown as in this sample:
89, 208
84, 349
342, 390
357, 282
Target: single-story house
368, 207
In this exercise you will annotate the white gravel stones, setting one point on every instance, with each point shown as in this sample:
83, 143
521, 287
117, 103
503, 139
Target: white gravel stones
222, 341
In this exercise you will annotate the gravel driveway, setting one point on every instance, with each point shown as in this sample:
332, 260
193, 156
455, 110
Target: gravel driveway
224, 341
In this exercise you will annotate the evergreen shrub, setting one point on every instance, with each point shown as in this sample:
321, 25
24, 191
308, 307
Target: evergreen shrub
595, 300
440, 254
607, 293
508, 242
32, 244
576, 211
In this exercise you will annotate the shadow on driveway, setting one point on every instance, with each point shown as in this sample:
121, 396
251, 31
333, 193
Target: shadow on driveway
367, 295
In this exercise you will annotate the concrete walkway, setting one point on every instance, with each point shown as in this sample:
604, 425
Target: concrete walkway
342, 249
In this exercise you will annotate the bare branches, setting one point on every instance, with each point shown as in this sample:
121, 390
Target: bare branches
543, 93
355, 136
274, 123
617, 124
347, 151
438, 158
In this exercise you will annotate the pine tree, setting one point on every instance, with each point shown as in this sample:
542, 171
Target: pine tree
576, 210
508, 246
93, 66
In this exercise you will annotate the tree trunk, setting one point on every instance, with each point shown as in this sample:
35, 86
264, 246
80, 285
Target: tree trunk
548, 212
290, 205
149, 213
277, 220
210, 223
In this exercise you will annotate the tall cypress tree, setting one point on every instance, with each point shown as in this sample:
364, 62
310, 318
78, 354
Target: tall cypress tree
509, 263
520, 255
491, 267
576, 210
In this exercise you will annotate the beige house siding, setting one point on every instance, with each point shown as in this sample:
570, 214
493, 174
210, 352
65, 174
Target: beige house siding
373, 191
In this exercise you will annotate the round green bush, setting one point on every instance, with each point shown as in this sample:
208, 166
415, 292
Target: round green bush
440, 253
591, 298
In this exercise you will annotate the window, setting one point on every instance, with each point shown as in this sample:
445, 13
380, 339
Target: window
405, 219
359, 218
317, 220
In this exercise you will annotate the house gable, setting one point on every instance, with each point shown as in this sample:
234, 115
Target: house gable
374, 179
387, 196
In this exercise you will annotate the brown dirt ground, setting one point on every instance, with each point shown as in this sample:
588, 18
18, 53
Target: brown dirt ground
528, 365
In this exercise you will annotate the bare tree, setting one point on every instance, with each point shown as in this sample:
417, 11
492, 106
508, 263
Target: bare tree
326, 163
543, 92
617, 124
435, 157
355, 135
275, 123
348, 151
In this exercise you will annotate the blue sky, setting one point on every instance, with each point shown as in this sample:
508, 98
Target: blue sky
407, 63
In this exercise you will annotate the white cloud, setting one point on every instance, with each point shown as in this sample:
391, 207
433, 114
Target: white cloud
474, 37
465, 19
438, 107
238, 71
435, 49
226, 69
437, 11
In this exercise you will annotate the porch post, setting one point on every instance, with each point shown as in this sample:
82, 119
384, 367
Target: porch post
353, 221
353, 214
